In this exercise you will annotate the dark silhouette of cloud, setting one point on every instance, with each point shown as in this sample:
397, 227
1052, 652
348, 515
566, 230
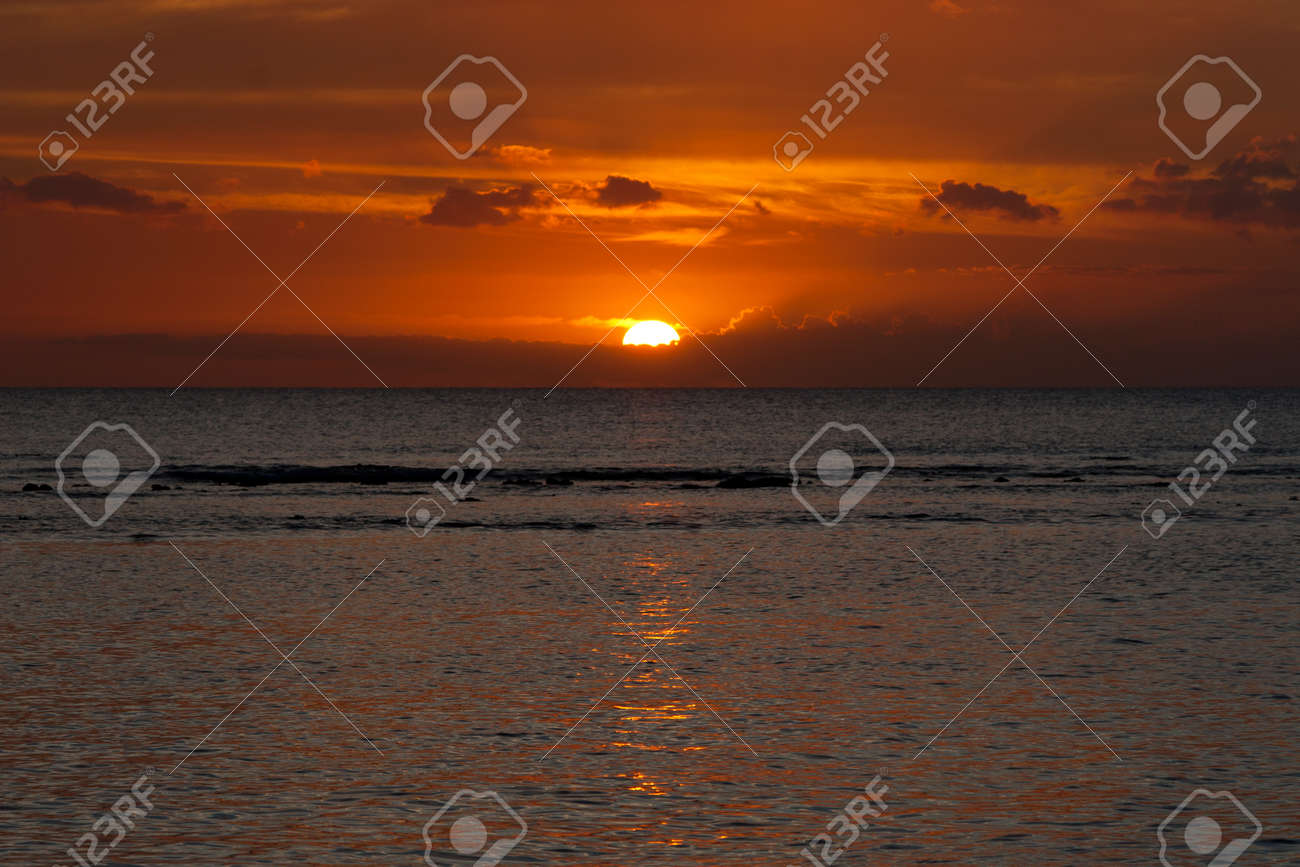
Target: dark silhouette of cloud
1272, 160
464, 208
1169, 169
1249, 187
83, 191
621, 192
1020, 345
961, 196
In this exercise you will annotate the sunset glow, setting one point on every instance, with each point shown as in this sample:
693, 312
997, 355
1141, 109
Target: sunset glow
360, 328
472, 221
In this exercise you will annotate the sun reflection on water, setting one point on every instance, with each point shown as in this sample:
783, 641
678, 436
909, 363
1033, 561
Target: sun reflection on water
653, 705
639, 782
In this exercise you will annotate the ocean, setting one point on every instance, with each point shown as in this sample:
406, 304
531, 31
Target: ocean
602, 627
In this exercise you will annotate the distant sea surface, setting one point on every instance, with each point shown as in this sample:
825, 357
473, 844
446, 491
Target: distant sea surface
504, 646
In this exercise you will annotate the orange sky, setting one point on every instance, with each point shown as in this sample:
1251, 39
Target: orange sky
650, 122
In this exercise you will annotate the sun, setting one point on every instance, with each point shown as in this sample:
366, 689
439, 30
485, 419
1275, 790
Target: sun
650, 332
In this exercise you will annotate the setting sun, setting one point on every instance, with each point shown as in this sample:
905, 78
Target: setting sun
650, 332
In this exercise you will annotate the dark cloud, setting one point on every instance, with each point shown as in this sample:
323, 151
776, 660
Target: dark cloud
1272, 160
1020, 345
981, 197
464, 208
1249, 187
1170, 169
83, 191
621, 192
